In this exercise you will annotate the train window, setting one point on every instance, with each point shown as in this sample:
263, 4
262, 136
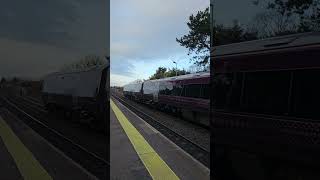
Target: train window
177, 90
306, 96
205, 91
166, 88
221, 87
168, 92
266, 92
161, 89
229, 87
183, 93
234, 94
193, 90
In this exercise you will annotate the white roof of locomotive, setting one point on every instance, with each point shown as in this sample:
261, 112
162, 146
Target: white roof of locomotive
82, 83
95, 68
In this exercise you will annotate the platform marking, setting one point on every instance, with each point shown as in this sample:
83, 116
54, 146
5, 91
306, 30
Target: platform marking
28, 166
156, 167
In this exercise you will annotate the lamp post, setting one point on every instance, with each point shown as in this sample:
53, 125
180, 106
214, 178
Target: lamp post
176, 67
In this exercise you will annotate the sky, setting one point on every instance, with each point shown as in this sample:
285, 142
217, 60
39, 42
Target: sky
143, 36
39, 37
243, 11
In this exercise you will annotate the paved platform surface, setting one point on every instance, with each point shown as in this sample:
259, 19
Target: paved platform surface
138, 151
26, 155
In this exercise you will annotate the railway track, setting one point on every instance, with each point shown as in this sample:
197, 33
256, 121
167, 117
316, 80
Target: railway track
195, 150
171, 114
29, 112
33, 101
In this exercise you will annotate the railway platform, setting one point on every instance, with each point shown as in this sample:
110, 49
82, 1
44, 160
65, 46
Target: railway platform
26, 155
138, 151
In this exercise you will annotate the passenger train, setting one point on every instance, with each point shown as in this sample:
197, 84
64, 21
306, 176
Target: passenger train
186, 95
265, 98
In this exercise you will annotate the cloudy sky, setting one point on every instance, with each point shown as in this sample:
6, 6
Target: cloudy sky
242, 11
143, 34
38, 37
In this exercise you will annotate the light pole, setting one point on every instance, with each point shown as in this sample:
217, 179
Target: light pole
176, 67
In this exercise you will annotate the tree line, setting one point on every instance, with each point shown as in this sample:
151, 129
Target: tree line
86, 62
163, 72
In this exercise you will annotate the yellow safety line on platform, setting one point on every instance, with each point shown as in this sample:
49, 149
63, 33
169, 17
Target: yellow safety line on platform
156, 167
28, 166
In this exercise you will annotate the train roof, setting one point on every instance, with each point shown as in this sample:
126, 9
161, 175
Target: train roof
175, 78
95, 68
280, 42
182, 77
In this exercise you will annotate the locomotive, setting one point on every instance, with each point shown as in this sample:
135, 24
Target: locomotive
186, 95
80, 94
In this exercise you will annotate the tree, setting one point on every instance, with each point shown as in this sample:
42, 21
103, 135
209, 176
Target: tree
283, 17
174, 72
233, 34
160, 73
197, 41
163, 72
86, 62
195, 69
